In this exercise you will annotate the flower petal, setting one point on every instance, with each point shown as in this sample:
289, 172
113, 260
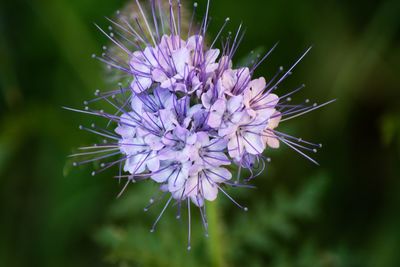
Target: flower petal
253, 143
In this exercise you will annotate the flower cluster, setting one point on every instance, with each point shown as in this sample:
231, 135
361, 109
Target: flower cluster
192, 114
187, 117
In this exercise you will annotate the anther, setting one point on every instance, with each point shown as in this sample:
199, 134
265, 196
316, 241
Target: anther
93, 55
80, 127
85, 103
93, 173
195, 4
227, 19
245, 209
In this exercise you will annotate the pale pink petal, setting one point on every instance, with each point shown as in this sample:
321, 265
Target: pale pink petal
181, 58
273, 142
162, 175
227, 130
153, 163
274, 120
141, 84
257, 86
154, 142
177, 180
158, 75
208, 190
269, 101
219, 175
218, 144
253, 143
234, 104
216, 159
228, 79
198, 200
235, 147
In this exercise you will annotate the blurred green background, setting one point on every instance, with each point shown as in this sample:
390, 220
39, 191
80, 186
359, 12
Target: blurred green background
342, 213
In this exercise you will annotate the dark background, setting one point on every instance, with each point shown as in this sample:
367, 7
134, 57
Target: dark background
342, 213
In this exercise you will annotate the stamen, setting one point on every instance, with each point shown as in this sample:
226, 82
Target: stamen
305, 112
189, 225
146, 22
231, 199
159, 216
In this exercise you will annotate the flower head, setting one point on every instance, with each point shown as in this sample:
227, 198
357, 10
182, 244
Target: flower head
187, 116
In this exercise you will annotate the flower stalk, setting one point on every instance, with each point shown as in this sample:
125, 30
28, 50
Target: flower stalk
216, 235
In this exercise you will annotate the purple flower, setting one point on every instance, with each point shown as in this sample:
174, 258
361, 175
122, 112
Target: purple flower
187, 114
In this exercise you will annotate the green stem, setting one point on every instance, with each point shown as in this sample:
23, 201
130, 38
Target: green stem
215, 238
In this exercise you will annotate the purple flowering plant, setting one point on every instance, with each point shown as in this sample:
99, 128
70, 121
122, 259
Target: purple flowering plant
189, 118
